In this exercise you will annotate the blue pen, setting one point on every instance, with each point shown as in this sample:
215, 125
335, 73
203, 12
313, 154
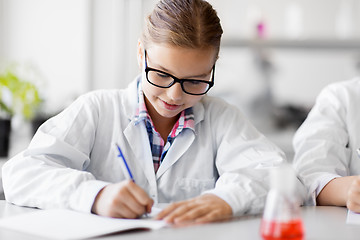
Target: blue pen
127, 168
125, 163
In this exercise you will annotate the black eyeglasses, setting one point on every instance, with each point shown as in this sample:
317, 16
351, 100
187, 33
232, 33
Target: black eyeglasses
162, 79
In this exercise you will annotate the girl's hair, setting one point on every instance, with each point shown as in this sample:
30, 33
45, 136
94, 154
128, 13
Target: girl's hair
183, 23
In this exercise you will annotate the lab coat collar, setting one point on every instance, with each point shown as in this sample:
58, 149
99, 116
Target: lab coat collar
199, 111
131, 98
182, 142
138, 134
180, 145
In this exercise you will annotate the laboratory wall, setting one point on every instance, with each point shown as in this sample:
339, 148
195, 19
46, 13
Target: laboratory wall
278, 52
52, 39
314, 43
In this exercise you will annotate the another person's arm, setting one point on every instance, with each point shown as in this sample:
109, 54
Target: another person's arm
322, 153
342, 191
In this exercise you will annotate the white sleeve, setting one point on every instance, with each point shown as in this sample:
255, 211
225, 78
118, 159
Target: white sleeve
321, 152
50, 173
244, 158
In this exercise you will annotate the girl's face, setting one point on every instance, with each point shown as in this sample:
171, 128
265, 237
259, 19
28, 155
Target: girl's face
183, 63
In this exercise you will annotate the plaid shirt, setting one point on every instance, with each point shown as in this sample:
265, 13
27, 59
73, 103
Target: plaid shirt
158, 147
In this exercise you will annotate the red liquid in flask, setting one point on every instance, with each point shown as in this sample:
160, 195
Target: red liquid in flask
277, 230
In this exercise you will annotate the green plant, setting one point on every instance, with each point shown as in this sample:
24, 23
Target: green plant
17, 96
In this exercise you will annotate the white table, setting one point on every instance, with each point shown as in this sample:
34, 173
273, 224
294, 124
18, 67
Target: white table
320, 223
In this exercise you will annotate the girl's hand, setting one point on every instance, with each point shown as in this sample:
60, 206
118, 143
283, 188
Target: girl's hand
122, 200
202, 209
353, 195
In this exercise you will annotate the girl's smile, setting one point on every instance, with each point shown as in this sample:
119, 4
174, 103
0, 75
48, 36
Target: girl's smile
171, 107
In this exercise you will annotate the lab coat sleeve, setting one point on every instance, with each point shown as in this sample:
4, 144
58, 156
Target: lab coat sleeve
51, 173
320, 144
243, 160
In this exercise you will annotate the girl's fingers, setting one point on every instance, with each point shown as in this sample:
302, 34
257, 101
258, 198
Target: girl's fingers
122, 211
206, 208
122, 200
167, 211
140, 196
193, 214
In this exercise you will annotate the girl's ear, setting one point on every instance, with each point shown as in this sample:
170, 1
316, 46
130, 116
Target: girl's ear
140, 54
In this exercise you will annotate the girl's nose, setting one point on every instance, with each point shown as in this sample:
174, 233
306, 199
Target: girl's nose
175, 92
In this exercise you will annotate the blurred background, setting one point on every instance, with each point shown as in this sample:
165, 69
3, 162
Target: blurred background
275, 56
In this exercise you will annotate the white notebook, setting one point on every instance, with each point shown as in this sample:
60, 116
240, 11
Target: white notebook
353, 218
67, 224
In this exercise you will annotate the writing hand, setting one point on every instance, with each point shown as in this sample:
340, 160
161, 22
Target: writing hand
353, 195
202, 209
122, 200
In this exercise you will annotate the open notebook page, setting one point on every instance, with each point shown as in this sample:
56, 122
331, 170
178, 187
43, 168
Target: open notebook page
67, 224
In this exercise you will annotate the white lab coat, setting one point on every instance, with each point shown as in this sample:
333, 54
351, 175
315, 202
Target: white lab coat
73, 155
325, 145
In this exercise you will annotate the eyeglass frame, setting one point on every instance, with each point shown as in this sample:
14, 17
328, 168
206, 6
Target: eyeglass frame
179, 80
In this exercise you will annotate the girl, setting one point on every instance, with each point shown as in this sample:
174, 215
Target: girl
182, 147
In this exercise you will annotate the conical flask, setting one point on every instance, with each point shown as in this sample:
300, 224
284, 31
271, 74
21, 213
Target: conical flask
281, 219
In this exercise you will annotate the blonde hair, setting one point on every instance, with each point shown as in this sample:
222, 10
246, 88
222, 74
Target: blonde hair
183, 23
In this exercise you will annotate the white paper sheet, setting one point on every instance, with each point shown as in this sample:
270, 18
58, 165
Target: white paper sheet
353, 218
67, 224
